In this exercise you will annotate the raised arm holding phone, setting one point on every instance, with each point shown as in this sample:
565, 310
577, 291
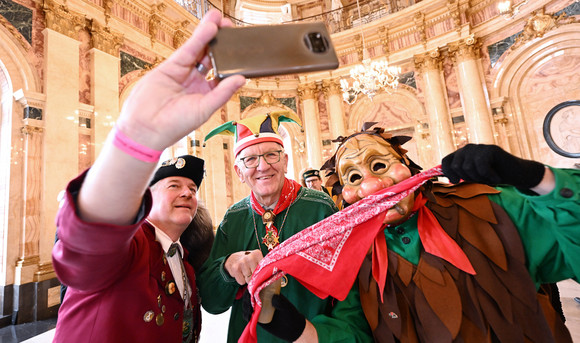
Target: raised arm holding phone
118, 249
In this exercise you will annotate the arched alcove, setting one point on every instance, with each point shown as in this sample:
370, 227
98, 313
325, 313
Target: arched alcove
398, 113
533, 78
17, 74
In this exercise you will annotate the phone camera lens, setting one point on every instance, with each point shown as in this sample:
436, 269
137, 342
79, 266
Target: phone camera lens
317, 42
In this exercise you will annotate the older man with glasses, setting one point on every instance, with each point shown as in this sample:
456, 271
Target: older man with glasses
276, 209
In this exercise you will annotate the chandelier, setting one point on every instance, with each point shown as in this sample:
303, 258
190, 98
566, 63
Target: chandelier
370, 76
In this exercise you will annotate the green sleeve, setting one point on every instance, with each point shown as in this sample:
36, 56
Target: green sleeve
549, 226
216, 287
346, 323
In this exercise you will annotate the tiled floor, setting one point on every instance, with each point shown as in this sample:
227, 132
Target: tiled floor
215, 327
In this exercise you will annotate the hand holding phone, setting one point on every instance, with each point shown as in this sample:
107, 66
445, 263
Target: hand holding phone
266, 50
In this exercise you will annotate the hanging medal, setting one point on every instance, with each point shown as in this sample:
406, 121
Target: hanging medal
271, 238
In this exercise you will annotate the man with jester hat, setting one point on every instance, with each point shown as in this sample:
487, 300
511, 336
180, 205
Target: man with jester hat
462, 262
276, 209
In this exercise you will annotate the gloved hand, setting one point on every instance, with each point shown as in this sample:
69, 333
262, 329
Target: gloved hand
491, 165
247, 309
287, 324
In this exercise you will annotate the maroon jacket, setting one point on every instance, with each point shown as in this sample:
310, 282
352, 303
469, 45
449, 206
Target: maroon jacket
117, 278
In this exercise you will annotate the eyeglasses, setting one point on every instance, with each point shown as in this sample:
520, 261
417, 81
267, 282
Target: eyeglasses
253, 161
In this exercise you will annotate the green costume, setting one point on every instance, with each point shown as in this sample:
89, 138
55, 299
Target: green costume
548, 226
515, 242
242, 229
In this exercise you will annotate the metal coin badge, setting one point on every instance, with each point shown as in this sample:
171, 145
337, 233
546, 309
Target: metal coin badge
187, 324
271, 238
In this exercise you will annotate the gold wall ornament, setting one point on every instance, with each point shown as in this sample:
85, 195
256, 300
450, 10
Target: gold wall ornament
331, 87
465, 49
155, 21
419, 19
108, 9
384, 39
30, 129
60, 19
15, 33
102, 38
432, 60
359, 46
453, 8
181, 34
539, 24
307, 92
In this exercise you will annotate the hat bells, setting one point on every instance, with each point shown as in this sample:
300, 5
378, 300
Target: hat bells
253, 130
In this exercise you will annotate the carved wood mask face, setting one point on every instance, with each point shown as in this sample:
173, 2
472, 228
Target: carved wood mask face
366, 164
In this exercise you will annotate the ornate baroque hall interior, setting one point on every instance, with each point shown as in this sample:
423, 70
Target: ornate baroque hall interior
470, 71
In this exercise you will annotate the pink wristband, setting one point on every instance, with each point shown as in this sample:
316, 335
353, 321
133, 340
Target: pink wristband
135, 149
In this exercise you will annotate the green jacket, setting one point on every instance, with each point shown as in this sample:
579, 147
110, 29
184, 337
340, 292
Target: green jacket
335, 321
549, 227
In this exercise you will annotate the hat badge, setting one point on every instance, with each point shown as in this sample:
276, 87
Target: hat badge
180, 163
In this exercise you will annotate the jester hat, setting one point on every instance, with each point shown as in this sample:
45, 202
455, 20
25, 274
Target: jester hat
253, 130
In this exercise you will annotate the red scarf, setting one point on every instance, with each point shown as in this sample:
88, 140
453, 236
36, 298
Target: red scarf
287, 196
326, 256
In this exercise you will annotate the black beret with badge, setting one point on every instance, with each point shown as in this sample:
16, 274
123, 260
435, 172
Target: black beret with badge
187, 166
311, 172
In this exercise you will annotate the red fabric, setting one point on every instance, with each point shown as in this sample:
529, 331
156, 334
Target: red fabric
380, 259
436, 241
326, 256
287, 196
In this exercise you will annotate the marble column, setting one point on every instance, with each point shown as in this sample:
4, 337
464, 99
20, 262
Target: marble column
440, 128
61, 76
333, 93
474, 98
29, 252
214, 191
308, 98
238, 189
105, 76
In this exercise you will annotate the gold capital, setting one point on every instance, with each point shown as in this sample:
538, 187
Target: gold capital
331, 87
103, 39
465, 49
307, 92
428, 61
60, 19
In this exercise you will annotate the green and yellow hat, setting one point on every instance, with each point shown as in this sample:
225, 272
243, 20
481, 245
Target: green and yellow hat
254, 130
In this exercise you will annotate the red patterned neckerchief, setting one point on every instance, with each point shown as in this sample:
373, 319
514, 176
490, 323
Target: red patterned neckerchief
287, 196
325, 257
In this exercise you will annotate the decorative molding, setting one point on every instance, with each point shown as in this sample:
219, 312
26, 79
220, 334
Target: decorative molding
103, 39
27, 261
331, 87
453, 7
155, 21
432, 60
181, 34
465, 49
307, 92
419, 19
30, 129
108, 10
383, 32
539, 24
15, 33
358, 45
60, 19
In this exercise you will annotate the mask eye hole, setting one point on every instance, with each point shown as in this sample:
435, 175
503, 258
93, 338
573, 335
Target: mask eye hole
378, 166
354, 178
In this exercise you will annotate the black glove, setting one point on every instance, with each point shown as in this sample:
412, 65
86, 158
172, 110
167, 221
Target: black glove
287, 324
247, 309
491, 165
